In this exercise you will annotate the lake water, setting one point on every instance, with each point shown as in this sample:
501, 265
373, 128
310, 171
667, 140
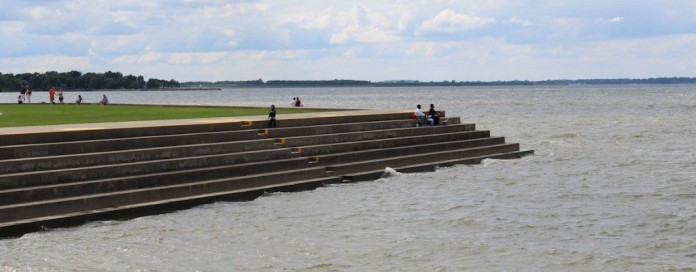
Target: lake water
612, 187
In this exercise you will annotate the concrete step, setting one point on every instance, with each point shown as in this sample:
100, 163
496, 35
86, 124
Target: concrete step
372, 154
19, 227
17, 180
330, 118
369, 135
72, 189
362, 166
431, 166
119, 144
105, 145
87, 133
335, 128
23, 211
321, 149
132, 155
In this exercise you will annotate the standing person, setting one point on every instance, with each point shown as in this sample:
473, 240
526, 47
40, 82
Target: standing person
60, 95
272, 117
79, 100
22, 93
28, 94
432, 113
52, 95
294, 100
420, 116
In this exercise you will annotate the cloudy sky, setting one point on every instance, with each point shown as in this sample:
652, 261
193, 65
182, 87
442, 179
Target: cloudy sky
373, 40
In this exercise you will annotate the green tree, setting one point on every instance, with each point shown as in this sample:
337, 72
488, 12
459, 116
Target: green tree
153, 83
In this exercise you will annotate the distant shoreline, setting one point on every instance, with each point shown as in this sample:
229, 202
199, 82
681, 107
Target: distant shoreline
146, 90
342, 83
416, 83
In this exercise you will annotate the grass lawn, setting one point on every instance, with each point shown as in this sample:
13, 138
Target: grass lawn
16, 115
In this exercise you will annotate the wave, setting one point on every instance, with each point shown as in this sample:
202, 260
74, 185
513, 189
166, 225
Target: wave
489, 162
390, 172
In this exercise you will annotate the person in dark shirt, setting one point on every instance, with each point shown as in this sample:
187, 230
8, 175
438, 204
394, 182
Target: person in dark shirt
433, 114
272, 117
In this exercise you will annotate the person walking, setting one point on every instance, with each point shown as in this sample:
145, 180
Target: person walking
272, 117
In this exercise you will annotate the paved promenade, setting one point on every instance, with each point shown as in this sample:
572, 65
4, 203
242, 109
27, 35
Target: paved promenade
177, 122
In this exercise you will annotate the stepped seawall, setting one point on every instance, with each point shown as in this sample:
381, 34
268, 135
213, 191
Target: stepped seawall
57, 176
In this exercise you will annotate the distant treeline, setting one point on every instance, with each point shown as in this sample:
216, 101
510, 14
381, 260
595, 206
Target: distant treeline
395, 83
278, 83
75, 80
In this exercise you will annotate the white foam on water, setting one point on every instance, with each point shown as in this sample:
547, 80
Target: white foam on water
390, 172
491, 162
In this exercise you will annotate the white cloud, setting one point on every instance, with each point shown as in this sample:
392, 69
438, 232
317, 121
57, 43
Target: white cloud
149, 57
127, 18
320, 21
40, 13
144, 58
519, 21
181, 58
202, 58
44, 63
352, 52
617, 19
357, 25
450, 21
276, 55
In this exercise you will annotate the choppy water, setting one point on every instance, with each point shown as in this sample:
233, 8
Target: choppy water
612, 187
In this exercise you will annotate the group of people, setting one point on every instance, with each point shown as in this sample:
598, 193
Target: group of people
272, 114
296, 102
432, 118
52, 95
25, 96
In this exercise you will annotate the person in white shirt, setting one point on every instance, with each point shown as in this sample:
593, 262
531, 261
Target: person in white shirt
294, 100
420, 116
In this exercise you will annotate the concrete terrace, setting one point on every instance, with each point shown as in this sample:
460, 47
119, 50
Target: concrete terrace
182, 122
54, 176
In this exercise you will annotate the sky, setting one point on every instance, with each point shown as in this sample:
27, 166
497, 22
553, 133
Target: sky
462, 40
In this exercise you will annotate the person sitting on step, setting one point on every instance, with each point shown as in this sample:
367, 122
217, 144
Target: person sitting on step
421, 119
434, 115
